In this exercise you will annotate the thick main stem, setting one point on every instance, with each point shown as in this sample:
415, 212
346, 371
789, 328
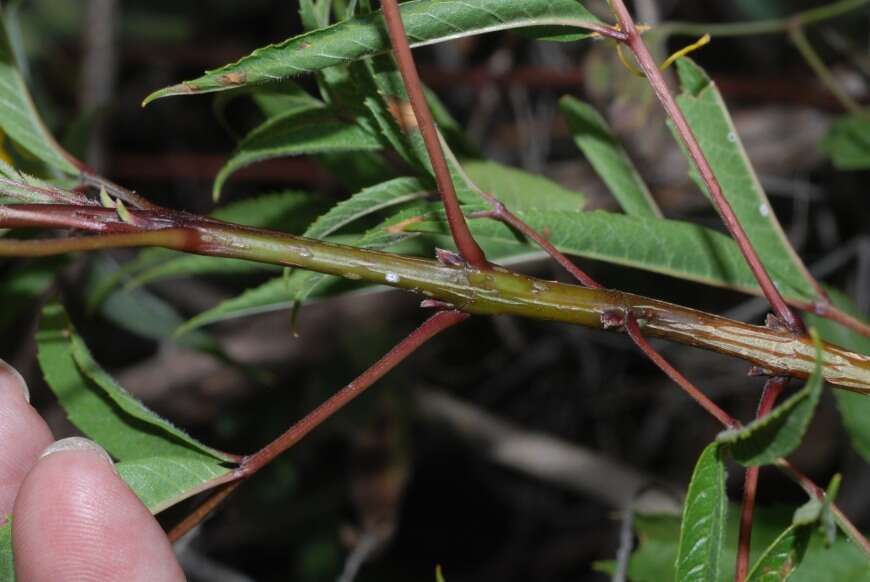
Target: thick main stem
647, 63
465, 243
772, 389
488, 292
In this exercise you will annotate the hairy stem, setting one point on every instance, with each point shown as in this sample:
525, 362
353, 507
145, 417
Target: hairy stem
468, 247
772, 389
647, 63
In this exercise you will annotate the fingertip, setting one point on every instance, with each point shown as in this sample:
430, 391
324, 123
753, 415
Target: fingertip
76, 519
23, 434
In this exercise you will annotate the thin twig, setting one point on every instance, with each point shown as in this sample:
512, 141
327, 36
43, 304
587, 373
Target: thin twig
772, 389
638, 47
817, 492
772, 26
428, 329
202, 511
633, 329
465, 243
250, 464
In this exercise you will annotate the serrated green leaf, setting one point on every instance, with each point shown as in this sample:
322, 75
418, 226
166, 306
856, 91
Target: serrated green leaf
708, 116
765, 440
520, 190
653, 560
609, 158
7, 560
671, 247
306, 132
783, 557
854, 407
160, 462
20, 121
702, 534
848, 142
426, 22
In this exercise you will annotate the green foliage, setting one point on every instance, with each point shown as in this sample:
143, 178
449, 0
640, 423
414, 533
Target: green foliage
7, 560
426, 22
703, 525
765, 440
161, 463
520, 190
609, 158
848, 142
708, 116
783, 557
854, 408
303, 132
670, 247
654, 560
20, 121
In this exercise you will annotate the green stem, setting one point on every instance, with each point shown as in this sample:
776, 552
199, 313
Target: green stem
496, 291
772, 26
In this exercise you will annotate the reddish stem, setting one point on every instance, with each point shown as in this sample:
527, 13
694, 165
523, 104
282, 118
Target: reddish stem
772, 389
634, 332
431, 327
202, 511
828, 311
253, 463
657, 81
814, 490
465, 243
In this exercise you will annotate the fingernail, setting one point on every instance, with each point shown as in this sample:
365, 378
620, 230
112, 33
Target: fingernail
76, 444
9, 376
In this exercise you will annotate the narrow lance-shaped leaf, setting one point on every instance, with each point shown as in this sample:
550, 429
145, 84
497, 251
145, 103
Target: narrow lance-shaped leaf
426, 22
306, 132
520, 190
776, 435
708, 116
702, 534
20, 121
609, 158
161, 463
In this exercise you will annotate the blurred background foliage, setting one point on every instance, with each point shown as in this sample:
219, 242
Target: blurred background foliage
420, 471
